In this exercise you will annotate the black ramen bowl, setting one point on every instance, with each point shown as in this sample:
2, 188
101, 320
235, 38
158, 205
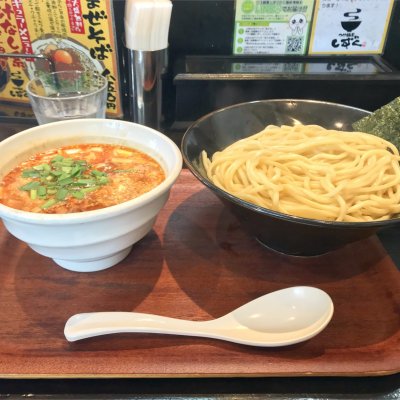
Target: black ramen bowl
281, 232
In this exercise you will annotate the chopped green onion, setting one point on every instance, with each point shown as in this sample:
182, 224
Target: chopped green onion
78, 194
57, 158
65, 181
87, 182
48, 204
62, 178
95, 172
56, 173
61, 194
75, 171
102, 180
30, 173
33, 194
41, 191
31, 185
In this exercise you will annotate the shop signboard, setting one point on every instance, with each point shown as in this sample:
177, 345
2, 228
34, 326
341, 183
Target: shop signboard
73, 34
350, 26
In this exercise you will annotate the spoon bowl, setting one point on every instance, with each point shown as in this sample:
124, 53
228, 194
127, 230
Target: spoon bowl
280, 318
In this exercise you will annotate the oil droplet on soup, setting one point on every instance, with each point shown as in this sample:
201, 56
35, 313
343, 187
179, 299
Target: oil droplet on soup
80, 178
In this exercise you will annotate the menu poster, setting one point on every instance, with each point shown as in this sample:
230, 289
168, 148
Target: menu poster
350, 26
272, 26
74, 34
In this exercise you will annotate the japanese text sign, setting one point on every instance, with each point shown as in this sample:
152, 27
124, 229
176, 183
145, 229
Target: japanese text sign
272, 26
350, 26
74, 34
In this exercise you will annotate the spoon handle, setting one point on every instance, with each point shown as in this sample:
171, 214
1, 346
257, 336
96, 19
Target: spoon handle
82, 326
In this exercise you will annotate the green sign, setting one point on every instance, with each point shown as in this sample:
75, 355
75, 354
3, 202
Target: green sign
272, 26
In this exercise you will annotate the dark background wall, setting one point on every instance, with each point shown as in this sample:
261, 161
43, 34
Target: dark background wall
203, 30
206, 27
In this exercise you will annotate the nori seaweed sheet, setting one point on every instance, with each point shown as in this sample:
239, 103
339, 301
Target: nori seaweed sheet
384, 122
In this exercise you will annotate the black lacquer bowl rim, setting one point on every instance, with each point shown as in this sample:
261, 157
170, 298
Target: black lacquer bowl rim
261, 210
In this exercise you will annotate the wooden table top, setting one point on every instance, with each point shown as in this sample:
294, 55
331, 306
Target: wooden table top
197, 263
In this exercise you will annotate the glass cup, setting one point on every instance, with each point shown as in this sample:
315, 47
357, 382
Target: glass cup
63, 95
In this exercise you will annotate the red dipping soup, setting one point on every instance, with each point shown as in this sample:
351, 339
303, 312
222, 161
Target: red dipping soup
80, 178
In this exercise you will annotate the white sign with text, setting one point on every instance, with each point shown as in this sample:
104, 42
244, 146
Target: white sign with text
350, 26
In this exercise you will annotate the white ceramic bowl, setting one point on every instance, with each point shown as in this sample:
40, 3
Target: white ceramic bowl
98, 239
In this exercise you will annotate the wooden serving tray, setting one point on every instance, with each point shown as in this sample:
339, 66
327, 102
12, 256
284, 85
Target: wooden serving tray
198, 264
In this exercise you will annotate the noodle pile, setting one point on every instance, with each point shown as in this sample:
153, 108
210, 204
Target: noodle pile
312, 172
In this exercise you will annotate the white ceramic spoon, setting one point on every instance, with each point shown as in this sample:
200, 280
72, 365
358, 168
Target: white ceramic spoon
279, 318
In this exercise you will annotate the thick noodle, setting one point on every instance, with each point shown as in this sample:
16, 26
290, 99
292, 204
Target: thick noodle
312, 172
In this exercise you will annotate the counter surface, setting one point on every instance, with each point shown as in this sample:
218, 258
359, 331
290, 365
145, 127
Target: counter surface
238, 385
